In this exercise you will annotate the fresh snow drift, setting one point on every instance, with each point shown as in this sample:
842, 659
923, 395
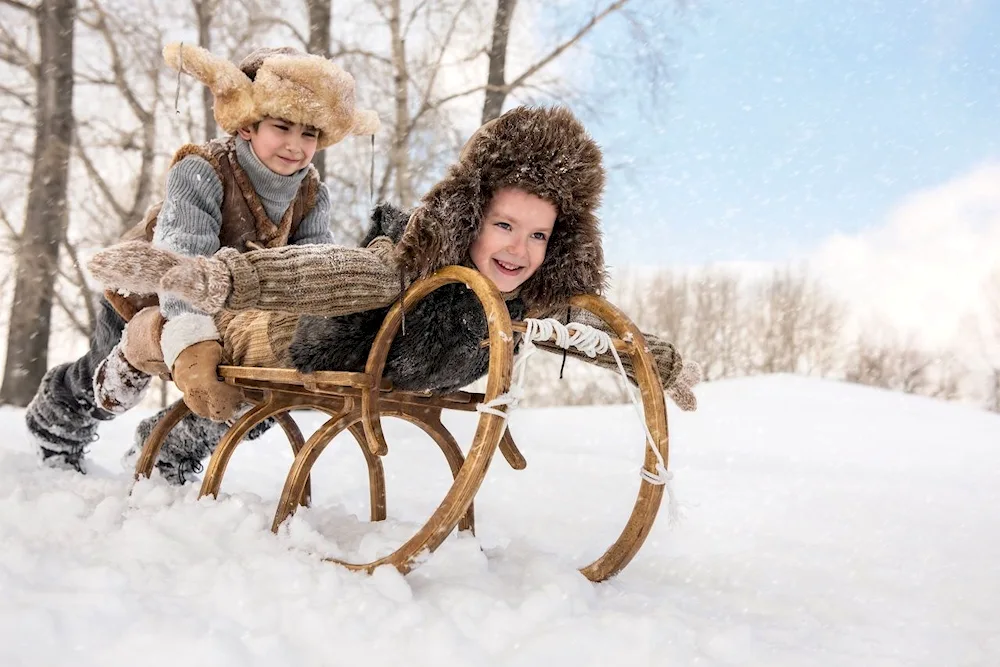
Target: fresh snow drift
824, 524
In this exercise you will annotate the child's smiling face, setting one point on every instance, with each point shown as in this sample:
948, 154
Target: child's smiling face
284, 147
513, 237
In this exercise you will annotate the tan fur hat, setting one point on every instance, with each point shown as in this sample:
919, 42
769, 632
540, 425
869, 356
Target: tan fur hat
277, 83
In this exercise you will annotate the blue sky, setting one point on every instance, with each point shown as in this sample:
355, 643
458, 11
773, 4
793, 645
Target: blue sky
787, 121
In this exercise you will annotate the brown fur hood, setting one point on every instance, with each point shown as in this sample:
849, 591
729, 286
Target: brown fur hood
544, 151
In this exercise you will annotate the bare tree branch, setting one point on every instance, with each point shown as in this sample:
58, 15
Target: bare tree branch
23, 6
25, 100
364, 53
12, 53
561, 48
268, 21
103, 28
70, 312
96, 176
436, 67
13, 234
80, 280
417, 8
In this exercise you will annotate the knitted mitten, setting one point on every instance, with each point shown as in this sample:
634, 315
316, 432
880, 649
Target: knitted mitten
680, 390
204, 282
135, 266
676, 375
139, 267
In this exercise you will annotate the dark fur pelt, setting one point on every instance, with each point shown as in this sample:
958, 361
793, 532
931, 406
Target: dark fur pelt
386, 220
440, 351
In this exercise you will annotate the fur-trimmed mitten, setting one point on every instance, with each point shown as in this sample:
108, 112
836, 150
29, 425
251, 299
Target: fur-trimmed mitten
194, 373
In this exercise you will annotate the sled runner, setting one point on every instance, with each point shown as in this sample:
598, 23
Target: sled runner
356, 402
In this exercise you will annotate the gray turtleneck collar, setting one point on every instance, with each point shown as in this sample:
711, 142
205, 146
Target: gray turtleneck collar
276, 192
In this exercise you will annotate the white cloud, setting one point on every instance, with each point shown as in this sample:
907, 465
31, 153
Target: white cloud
922, 272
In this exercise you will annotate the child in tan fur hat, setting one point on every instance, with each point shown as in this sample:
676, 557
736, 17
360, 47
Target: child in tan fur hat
255, 188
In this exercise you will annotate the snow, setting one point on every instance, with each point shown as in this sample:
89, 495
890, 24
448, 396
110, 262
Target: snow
824, 524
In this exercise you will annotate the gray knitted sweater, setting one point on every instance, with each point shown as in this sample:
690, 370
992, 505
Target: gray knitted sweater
191, 218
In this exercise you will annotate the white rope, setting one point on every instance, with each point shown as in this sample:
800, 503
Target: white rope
590, 341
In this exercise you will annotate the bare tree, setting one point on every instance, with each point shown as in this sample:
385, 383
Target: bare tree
795, 324
498, 87
46, 216
495, 91
319, 44
887, 361
204, 10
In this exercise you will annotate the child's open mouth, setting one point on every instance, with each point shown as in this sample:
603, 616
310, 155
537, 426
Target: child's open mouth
508, 269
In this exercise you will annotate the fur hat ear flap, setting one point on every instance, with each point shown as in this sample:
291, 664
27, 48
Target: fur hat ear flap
234, 104
366, 122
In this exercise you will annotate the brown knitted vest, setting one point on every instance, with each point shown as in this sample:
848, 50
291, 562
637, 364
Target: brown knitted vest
245, 225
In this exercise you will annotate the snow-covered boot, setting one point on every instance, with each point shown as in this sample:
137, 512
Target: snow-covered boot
191, 441
60, 425
63, 416
118, 385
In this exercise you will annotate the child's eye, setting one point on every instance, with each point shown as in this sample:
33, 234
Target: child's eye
312, 134
541, 236
283, 128
503, 225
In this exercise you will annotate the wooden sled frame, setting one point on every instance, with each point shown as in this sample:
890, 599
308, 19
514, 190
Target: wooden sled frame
356, 402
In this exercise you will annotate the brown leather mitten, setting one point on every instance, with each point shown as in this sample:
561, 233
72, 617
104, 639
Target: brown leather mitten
195, 374
142, 342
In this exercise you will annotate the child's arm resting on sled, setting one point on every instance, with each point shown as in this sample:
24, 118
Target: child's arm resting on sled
287, 279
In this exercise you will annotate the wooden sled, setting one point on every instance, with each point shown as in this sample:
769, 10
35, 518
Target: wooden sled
356, 402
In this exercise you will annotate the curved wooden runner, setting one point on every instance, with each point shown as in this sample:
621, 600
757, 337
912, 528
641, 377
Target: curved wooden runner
468, 473
647, 504
356, 402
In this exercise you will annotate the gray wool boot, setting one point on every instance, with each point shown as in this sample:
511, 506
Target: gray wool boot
191, 441
63, 416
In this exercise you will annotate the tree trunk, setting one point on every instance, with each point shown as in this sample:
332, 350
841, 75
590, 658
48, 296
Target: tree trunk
203, 11
496, 92
400, 141
319, 45
46, 215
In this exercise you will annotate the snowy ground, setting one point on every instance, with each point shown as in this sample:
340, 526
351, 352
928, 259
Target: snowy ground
825, 524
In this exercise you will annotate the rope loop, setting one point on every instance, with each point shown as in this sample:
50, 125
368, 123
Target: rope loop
590, 341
